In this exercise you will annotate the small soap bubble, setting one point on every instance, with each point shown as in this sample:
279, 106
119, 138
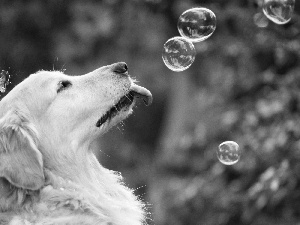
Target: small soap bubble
229, 152
197, 24
260, 20
178, 54
279, 11
4, 80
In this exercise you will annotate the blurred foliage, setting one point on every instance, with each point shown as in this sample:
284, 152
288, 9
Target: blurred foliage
243, 86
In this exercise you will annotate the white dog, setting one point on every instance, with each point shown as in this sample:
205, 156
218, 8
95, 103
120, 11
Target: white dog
48, 172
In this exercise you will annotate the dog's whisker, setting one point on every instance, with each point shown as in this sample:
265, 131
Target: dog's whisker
63, 69
139, 187
117, 109
55, 61
122, 124
128, 97
120, 129
105, 153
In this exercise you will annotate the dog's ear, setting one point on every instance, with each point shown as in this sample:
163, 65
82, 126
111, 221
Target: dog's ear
21, 162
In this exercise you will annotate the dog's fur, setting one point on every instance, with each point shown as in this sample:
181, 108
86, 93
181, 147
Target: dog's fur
48, 172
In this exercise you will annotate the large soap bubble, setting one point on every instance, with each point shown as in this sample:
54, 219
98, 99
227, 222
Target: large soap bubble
279, 11
229, 152
197, 24
178, 54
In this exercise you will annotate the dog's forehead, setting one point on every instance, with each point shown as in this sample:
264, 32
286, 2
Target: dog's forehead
31, 87
45, 77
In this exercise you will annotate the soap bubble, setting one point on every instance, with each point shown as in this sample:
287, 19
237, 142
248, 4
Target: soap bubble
4, 80
229, 152
178, 54
260, 20
279, 11
197, 24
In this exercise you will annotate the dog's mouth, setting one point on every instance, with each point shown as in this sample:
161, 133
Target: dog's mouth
125, 102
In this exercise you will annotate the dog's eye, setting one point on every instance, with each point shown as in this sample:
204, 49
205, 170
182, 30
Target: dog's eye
62, 85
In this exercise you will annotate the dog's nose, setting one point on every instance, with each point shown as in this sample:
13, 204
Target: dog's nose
120, 67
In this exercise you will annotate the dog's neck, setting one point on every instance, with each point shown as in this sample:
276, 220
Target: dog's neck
70, 163
81, 186
102, 189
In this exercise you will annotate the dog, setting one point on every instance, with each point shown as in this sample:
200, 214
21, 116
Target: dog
48, 172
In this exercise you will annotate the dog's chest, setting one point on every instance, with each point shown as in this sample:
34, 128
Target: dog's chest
61, 206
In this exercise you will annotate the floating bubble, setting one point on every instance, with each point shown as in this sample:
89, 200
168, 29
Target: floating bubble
279, 11
178, 54
4, 80
197, 24
229, 152
260, 20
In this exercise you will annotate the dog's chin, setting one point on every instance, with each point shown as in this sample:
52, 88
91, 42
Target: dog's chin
112, 118
123, 107
117, 112
122, 115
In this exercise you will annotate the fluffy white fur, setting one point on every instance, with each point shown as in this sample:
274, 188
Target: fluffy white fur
48, 172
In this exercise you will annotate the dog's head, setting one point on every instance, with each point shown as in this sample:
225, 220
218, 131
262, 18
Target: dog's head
51, 114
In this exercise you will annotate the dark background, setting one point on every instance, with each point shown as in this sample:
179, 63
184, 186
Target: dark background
243, 86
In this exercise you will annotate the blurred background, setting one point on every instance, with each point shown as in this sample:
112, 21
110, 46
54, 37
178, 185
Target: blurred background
243, 86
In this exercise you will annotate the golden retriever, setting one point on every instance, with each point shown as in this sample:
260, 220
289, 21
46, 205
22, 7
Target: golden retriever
48, 172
